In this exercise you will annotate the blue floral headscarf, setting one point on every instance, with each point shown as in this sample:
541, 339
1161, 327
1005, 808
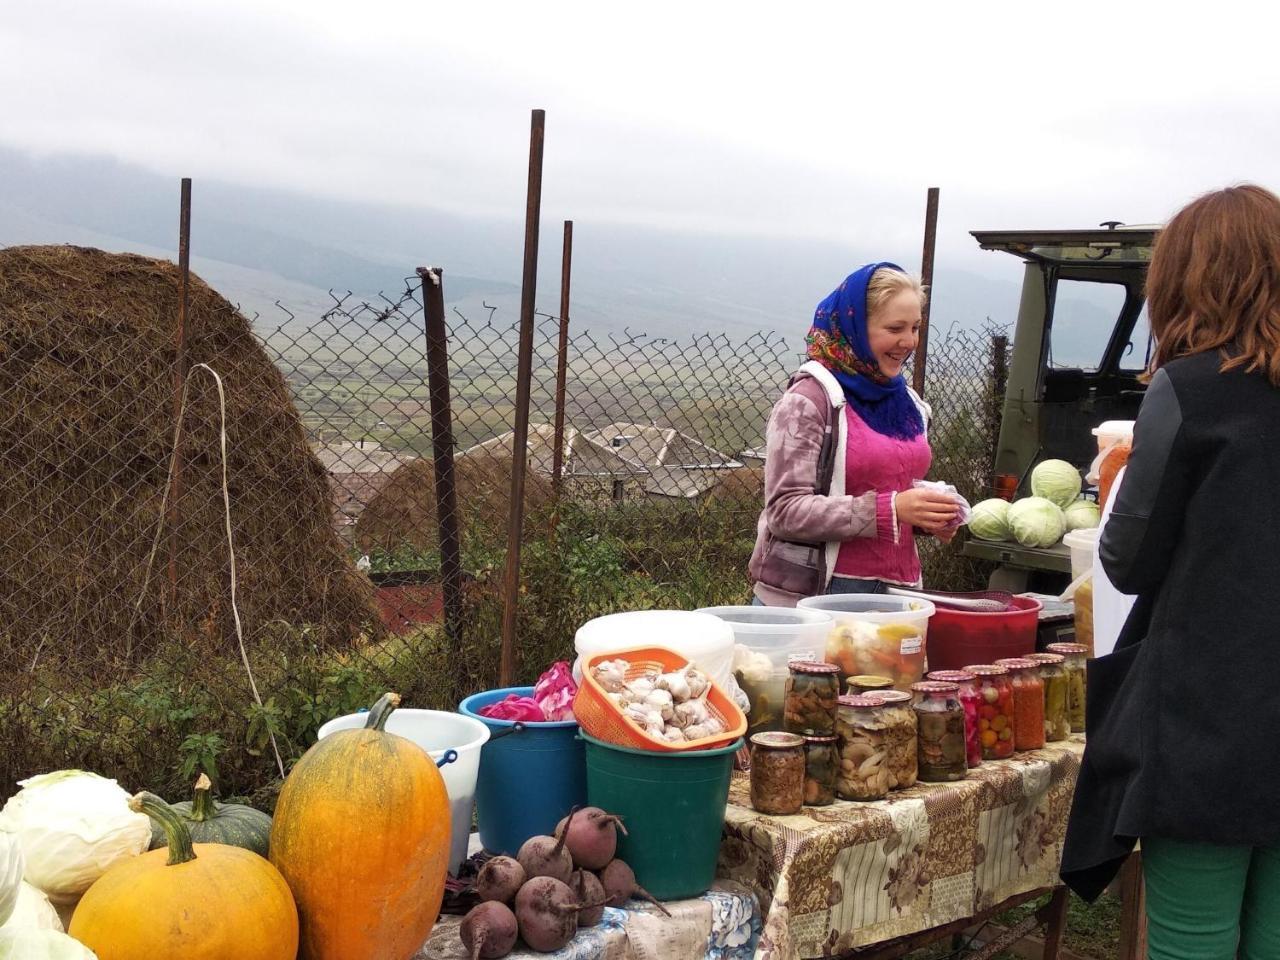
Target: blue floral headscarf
838, 340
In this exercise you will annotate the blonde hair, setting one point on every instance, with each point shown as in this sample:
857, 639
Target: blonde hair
886, 283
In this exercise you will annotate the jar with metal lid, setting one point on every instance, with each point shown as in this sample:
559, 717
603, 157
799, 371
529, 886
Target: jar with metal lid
969, 698
1028, 702
863, 773
995, 711
1053, 674
777, 773
899, 737
821, 764
810, 703
1076, 654
867, 683
940, 741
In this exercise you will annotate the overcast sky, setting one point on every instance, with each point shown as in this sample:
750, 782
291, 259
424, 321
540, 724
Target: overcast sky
819, 120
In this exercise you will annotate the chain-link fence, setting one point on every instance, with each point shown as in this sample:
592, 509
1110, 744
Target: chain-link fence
129, 652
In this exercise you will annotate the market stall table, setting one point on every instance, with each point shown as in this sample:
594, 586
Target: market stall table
834, 879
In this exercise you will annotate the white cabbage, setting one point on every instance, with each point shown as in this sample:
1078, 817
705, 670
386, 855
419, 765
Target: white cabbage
1082, 515
33, 911
11, 867
41, 945
1057, 481
1036, 522
989, 519
73, 826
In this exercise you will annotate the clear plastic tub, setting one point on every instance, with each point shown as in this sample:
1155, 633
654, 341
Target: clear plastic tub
700, 638
877, 634
1081, 544
765, 640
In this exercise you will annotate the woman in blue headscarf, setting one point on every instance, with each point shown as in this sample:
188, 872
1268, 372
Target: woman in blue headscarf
844, 446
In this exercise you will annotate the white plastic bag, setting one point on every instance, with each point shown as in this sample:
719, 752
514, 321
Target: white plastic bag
965, 511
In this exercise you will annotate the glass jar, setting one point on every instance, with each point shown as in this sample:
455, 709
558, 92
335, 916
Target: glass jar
862, 732
1028, 703
1076, 654
940, 741
812, 691
969, 698
777, 773
867, 683
995, 711
899, 737
821, 763
1053, 674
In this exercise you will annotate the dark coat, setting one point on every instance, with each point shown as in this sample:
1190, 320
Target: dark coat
1184, 718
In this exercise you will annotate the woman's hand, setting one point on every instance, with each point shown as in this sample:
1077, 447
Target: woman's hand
947, 535
927, 509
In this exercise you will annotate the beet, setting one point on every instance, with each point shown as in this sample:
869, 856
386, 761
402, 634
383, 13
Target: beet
547, 913
489, 930
500, 879
620, 885
590, 892
592, 837
547, 856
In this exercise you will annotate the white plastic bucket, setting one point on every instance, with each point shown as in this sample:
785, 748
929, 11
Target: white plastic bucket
437, 731
1081, 544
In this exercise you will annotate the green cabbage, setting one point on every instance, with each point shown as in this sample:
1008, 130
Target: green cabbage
989, 520
1036, 522
1056, 481
1082, 515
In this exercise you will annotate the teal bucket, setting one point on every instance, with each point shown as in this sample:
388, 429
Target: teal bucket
672, 805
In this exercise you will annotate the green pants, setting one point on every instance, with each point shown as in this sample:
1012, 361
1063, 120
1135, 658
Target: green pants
1207, 902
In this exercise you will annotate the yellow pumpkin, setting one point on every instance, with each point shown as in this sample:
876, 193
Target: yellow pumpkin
203, 901
361, 834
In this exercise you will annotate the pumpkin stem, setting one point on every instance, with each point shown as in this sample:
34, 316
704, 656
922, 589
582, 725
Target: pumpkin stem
175, 831
202, 805
381, 710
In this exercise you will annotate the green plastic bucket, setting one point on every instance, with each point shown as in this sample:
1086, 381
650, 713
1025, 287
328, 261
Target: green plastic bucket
672, 805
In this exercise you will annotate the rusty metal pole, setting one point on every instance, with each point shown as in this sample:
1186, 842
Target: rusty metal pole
442, 450
179, 381
926, 275
524, 373
562, 364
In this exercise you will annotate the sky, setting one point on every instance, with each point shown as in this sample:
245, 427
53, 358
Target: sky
804, 120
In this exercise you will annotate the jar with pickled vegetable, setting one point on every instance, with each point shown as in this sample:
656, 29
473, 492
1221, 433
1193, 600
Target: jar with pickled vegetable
940, 741
1028, 702
1053, 674
867, 683
969, 699
862, 732
899, 737
995, 711
1076, 654
821, 764
777, 773
810, 703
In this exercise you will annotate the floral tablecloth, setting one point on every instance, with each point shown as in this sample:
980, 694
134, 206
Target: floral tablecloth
722, 924
832, 879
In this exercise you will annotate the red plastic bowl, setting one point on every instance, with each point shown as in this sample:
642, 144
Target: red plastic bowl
958, 638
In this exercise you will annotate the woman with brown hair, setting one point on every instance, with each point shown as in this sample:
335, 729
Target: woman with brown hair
1184, 718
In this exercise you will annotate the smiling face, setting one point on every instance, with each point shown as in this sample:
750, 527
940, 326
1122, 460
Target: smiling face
894, 330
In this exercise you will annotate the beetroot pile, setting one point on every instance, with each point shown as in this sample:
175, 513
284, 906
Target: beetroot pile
551, 888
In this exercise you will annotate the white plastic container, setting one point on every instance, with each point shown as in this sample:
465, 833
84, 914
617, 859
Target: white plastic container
876, 633
703, 640
1108, 435
437, 732
1082, 544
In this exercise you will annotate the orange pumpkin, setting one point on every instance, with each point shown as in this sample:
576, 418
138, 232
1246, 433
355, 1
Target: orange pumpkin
361, 833
202, 901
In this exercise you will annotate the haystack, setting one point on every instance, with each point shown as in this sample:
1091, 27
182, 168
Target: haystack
87, 362
402, 514
741, 487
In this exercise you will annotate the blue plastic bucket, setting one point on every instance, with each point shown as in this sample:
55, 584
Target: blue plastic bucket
529, 779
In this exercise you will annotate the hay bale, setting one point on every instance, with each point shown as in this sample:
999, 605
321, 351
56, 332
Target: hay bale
740, 487
403, 512
87, 362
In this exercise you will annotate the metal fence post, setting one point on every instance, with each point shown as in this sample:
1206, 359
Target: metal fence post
926, 276
524, 373
179, 382
442, 450
566, 262
999, 383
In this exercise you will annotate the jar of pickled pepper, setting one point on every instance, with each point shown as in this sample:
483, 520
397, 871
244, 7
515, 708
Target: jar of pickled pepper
809, 706
969, 699
1076, 654
940, 746
1028, 702
1053, 674
867, 683
995, 711
777, 773
821, 764
900, 737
